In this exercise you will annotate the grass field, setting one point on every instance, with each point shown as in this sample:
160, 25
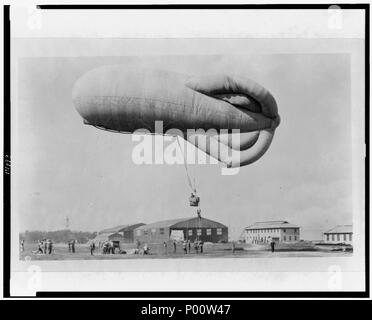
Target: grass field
82, 252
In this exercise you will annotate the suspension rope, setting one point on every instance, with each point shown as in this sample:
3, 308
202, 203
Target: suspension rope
193, 188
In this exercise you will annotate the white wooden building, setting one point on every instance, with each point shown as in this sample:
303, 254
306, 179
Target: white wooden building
339, 234
267, 231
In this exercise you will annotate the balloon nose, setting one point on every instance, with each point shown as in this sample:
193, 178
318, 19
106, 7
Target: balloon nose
76, 98
80, 100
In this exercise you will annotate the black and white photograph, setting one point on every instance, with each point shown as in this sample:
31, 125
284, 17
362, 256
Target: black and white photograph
188, 150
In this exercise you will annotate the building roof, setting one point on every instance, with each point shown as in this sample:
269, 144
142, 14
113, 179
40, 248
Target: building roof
193, 222
341, 229
271, 225
121, 228
161, 224
131, 227
198, 223
107, 236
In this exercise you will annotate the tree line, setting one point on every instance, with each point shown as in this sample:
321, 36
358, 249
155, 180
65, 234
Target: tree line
58, 236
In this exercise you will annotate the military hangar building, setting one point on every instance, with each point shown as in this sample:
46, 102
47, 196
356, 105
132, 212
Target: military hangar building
122, 233
192, 229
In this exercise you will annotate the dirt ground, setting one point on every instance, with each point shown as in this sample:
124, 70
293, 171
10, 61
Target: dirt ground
158, 251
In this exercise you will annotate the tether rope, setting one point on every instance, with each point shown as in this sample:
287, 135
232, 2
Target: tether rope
193, 188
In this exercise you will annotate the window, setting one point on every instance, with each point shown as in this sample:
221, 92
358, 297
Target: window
190, 232
284, 238
290, 238
161, 230
327, 237
283, 230
209, 232
345, 237
145, 232
219, 231
295, 238
199, 232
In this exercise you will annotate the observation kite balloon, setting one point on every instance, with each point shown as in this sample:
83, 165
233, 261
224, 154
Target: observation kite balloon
124, 99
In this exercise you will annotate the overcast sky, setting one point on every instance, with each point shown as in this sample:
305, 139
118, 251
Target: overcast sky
65, 168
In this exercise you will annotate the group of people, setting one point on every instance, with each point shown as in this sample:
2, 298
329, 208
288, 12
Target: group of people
71, 246
44, 246
107, 247
187, 245
144, 250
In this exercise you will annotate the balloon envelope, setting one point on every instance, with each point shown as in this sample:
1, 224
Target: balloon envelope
129, 98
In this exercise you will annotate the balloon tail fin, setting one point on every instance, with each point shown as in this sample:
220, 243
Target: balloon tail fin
230, 157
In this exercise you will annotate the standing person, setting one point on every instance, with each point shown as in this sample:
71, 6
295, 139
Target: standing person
45, 246
73, 246
92, 248
105, 247
174, 246
233, 247
196, 246
165, 247
189, 245
69, 246
112, 248
185, 247
22, 245
272, 244
40, 247
50, 246
146, 249
201, 243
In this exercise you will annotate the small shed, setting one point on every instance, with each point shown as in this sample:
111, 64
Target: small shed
126, 231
